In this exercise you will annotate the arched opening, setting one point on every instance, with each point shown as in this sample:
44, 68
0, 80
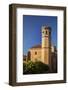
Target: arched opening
46, 32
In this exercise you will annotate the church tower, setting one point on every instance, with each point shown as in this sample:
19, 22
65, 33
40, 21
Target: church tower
46, 45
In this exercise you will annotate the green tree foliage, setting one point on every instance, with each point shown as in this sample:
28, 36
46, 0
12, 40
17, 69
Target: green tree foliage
35, 67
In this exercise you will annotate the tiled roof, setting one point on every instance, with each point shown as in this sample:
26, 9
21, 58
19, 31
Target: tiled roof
36, 46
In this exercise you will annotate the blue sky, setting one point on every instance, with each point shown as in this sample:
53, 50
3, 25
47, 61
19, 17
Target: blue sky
32, 30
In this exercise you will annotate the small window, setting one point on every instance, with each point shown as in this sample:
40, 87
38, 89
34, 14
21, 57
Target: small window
35, 53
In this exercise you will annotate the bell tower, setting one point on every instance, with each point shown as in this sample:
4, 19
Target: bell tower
46, 45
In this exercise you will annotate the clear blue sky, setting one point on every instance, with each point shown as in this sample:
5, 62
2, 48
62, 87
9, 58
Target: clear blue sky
32, 30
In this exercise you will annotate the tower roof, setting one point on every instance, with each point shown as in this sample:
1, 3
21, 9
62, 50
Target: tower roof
46, 27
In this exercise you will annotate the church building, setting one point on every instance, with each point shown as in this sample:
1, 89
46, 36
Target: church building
45, 52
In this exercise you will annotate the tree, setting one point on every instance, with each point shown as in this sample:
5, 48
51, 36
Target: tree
35, 67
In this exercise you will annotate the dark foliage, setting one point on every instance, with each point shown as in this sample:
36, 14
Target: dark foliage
35, 67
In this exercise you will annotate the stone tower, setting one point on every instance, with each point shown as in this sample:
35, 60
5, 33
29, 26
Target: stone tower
46, 45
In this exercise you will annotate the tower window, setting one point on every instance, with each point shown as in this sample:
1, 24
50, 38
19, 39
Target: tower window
46, 32
35, 53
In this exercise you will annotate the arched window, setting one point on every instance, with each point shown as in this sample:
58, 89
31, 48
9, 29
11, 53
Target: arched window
35, 53
46, 32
